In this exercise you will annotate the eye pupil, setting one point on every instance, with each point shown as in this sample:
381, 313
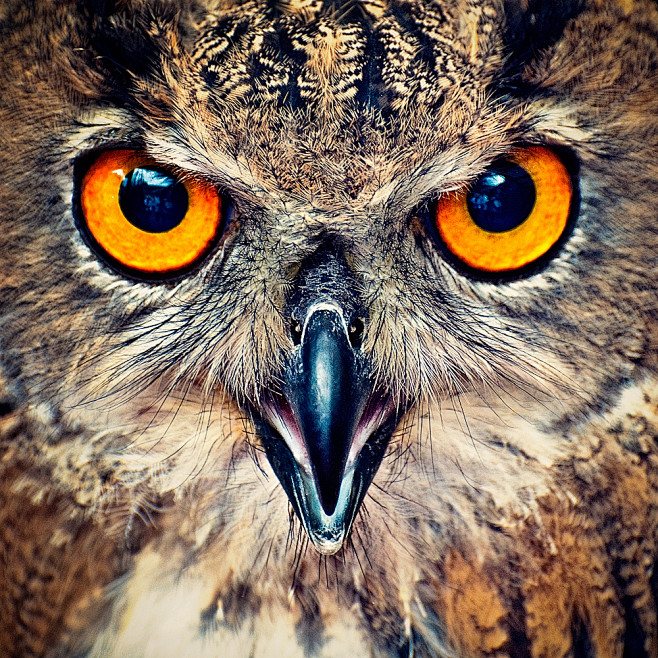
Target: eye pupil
502, 199
152, 201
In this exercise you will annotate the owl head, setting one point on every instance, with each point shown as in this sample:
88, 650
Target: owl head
298, 255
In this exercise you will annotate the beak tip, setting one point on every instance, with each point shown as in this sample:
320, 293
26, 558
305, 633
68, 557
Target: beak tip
328, 547
327, 521
327, 531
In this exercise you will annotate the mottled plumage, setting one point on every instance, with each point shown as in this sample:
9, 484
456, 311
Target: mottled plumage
515, 510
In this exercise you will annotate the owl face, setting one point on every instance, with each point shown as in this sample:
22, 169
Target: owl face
365, 272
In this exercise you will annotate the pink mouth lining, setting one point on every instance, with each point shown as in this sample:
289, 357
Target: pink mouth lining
282, 418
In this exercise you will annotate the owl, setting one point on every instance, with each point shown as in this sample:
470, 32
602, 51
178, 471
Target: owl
328, 328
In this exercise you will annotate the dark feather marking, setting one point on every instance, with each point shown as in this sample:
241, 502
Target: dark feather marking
538, 26
310, 630
582, 644
635, 636
528, 32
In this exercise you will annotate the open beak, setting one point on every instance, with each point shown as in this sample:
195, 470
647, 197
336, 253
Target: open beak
326, 434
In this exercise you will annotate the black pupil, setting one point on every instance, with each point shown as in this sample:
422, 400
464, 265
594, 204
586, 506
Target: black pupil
152, 200
502, 199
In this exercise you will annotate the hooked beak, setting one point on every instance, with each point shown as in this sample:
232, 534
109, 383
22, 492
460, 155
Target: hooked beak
326, 434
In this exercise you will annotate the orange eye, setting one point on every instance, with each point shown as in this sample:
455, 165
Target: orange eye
145, 218
513, 214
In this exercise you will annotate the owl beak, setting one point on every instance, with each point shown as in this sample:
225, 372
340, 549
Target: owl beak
332, 429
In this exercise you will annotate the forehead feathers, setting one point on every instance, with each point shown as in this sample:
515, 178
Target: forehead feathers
320, 100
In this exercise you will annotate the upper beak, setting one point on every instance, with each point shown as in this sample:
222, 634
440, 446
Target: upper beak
326, 435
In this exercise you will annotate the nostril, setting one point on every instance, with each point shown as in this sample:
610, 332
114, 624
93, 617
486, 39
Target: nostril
356, 332
296, 331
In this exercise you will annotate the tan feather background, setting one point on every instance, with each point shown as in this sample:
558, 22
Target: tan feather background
515, 509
